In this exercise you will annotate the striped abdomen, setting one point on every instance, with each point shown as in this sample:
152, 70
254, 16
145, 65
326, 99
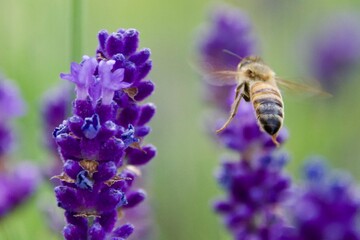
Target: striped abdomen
268, 106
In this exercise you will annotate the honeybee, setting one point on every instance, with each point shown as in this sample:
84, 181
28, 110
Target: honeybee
257, 82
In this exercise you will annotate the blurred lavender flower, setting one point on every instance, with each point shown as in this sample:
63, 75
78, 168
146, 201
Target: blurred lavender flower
11, 106
229, 29
335, 50
55, 108
255, 184
244, 135
141, 216
255, 189
258, 193
101, 143
326, 207
17, 184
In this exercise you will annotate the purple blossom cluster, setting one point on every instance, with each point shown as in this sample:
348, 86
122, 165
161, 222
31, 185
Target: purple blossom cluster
16, 186
335, 50
244, 135
254, 190
254, 183
226, 23
17, 183
327, 206
11, 106
230, 29
55, 108
260, 201
101, 144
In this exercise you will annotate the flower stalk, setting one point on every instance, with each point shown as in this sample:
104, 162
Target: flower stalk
76, 28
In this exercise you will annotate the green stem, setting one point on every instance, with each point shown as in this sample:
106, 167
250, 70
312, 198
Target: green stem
76, 30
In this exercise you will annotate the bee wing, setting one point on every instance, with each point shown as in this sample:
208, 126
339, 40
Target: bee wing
216, 76
298, 87
222, 78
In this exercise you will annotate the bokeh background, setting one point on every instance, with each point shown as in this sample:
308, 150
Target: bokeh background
35, 46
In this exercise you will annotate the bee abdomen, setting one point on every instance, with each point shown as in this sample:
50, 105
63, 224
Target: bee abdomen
270, 123
269, 108
270, 114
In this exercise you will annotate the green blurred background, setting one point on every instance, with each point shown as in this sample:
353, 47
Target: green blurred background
35, 47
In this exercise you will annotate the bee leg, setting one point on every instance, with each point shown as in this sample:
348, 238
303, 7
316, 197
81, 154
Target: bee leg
234, 109
246, 97
237, 91
273, 138
246, 94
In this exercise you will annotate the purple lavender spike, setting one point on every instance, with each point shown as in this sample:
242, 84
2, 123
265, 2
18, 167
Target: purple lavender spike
254, 183
99, 142
17, 184
11, 103
327, 205
55, 107
334, 50
11, 106
259, 202
229, 29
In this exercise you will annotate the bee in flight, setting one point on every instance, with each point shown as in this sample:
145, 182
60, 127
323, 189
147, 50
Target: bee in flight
257, 82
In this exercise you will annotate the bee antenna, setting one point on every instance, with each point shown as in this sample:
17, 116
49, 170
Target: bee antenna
232, 54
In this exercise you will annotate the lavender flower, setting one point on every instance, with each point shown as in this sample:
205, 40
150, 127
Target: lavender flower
16, 186
55, 108
335, 50
229, 29
255, 185
18, 183
141, 216
244, 135
327, 206
258, 193
11, 106
255, 189
102, 142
